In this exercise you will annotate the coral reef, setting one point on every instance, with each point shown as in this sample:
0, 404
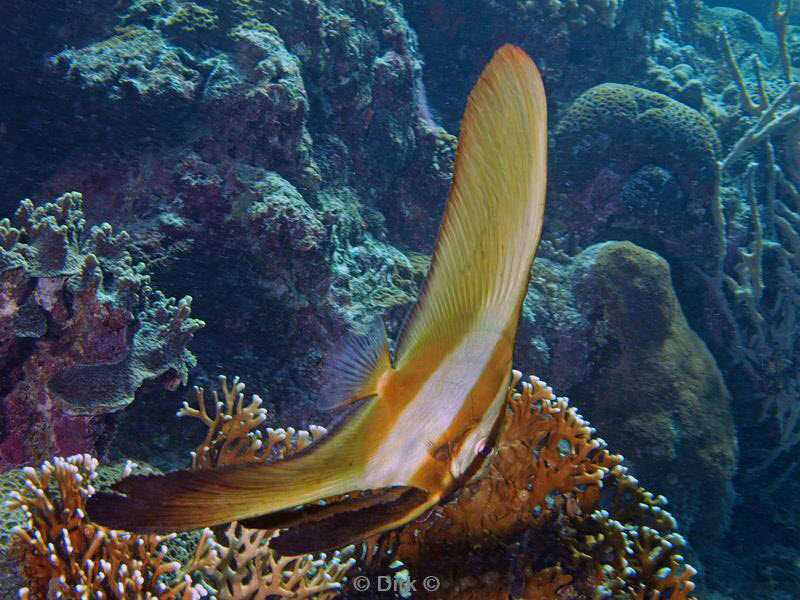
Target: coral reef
757, 285
136, 67
606, 325
537, 512
12, 579
290, 126
577, 43
284, 162
59, 547
241, 564
81, 329
533, 527
63, 555
327, 269
244, 566
656, 391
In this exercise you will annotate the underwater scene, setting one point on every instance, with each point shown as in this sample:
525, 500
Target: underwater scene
480, 299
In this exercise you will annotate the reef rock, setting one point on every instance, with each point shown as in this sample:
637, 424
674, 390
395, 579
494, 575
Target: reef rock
632, 160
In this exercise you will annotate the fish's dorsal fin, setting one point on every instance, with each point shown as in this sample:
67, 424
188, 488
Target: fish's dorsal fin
355, 366
493, 220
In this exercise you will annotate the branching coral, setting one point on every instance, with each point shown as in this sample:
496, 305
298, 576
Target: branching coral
63, 552
64, 556
233, 436
761, 318
243, 565
556, 514
534, 524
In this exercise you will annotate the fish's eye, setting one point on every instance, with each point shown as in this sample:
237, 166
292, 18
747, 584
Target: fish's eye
484, 448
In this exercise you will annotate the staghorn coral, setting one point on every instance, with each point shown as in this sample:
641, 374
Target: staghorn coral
80, 330
533, 527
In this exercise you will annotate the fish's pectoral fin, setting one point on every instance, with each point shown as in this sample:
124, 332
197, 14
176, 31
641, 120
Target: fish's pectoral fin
353, 370
348, 521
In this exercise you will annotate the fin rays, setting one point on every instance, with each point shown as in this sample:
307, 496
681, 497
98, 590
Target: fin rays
354, 368
494, 214
475, 286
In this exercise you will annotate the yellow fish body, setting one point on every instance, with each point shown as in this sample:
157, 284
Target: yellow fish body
424, 426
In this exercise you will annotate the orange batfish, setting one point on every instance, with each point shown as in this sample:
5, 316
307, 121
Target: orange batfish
417, 431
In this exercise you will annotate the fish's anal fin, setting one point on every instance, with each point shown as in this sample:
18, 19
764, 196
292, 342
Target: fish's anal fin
349, 521
353, 369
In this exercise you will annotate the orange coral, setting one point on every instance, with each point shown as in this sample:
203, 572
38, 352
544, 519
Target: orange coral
233, 434
243, 565
555, 516
65, 556
62, 553
533, 527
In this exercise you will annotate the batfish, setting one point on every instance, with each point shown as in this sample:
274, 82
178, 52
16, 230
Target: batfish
418, 427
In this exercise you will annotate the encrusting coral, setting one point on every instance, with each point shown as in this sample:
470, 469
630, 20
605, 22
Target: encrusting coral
555, 514
658, 394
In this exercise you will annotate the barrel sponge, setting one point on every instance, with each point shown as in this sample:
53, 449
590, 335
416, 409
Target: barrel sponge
629, 127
